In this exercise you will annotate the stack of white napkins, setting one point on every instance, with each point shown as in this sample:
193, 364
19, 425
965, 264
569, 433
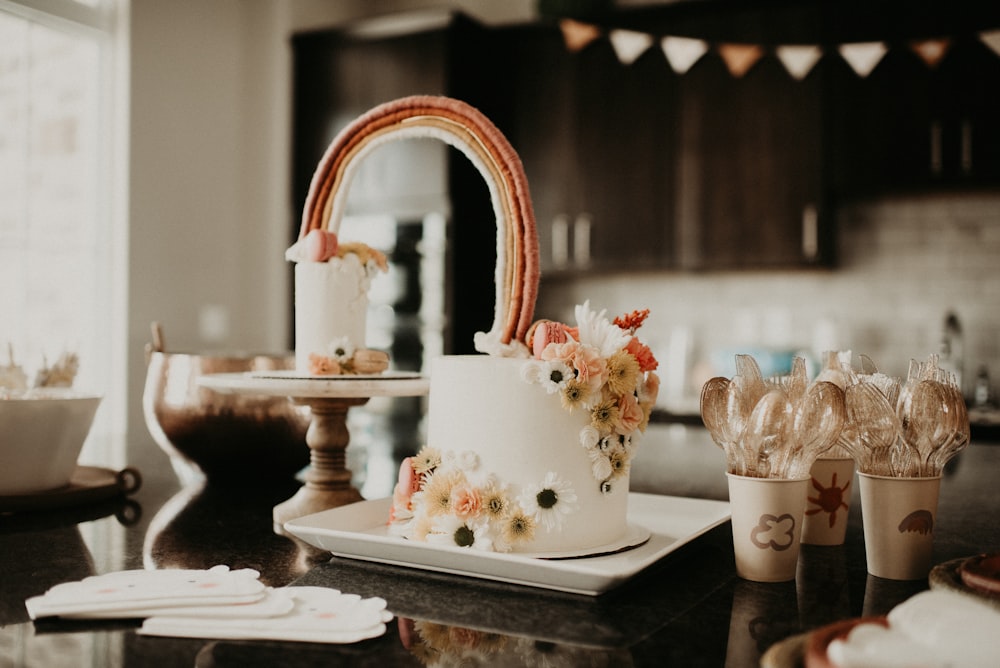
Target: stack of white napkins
216, 603
936, 628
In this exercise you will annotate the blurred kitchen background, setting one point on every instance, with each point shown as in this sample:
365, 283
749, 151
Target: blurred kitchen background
751, 211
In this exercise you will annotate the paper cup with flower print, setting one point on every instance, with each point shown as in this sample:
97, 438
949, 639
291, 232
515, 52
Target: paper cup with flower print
899, 516
767, 526
828, 501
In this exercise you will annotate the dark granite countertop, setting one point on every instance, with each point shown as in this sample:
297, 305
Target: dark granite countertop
688, 609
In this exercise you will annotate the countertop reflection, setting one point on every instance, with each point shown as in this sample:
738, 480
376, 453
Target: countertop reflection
688, 609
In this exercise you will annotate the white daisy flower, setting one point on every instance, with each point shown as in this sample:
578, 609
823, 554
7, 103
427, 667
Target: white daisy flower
453, 531
596, 330
549, 502
553, 375
341, 349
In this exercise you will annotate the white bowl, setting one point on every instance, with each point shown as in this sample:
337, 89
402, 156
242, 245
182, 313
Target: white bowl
41, 435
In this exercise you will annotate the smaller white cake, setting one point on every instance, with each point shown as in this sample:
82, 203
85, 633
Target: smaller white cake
331, 308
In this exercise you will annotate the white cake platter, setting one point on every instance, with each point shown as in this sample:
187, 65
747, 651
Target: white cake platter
358, 531
295, 384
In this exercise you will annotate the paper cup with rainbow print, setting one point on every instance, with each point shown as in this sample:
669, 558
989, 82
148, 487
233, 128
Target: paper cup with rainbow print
899, 516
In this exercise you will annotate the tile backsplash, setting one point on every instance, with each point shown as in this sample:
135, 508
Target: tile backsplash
905, 262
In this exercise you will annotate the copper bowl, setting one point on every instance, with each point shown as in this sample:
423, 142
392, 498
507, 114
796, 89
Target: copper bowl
224, 438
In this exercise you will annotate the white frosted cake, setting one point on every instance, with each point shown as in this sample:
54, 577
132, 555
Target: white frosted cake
531, 455
331, 306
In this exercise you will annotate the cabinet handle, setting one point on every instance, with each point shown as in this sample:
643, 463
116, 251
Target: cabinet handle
966, 155
935, 138
810, 232
581, 240
560, 241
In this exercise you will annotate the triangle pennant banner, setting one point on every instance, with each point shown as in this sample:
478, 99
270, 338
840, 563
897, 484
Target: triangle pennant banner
863, 56
799, 60
578, 35
739, 58
683, 52
931, 51
629, 44
991, 38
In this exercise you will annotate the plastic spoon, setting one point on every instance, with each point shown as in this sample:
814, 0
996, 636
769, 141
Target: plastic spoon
818, 420
927, 425
766, 432
714, 413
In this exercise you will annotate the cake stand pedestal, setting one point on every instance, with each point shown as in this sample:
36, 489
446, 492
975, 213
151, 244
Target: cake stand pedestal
327, 480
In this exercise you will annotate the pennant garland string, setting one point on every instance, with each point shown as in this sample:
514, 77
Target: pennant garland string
863, 56
739, 58
629, 44
577, 35
931, 51
799, 59
991, 38
682, 53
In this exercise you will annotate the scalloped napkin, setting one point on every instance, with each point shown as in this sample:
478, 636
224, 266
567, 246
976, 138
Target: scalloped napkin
320, 615
216, 603
141, 593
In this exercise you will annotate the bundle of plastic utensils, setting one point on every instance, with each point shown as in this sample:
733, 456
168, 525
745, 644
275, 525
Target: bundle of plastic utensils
774, 427
906, 429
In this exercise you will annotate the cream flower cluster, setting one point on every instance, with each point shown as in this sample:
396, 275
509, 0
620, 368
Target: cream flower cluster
600, 367
448, 500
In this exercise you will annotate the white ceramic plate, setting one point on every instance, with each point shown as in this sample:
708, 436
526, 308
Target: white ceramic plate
359, 531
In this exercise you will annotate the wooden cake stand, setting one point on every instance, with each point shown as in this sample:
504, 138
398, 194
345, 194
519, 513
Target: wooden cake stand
327, 480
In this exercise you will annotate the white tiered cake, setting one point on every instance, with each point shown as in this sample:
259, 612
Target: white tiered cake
529, 445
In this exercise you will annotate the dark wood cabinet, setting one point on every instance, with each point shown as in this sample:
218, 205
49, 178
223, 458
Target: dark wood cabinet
595, 138
751, 190
909, 125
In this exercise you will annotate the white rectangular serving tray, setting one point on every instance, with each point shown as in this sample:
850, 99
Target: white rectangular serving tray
358, 531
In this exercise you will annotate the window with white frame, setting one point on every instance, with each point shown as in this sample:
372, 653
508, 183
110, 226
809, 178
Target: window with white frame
61, 237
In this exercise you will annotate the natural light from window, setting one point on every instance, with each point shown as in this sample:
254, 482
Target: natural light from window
60, 270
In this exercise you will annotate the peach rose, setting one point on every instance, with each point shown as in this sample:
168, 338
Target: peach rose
320, 365
630, 414
585, 360
466, 501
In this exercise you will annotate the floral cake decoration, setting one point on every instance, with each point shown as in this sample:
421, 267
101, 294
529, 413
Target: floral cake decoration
599, 367
603, 368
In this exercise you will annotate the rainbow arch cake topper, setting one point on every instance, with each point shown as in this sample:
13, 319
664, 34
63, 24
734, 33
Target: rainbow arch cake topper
468, 130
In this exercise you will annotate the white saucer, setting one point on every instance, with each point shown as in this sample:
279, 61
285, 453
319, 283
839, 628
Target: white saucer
359, 531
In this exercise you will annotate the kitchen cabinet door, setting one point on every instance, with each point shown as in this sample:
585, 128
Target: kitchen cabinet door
750, 173
594, 135
910, 125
